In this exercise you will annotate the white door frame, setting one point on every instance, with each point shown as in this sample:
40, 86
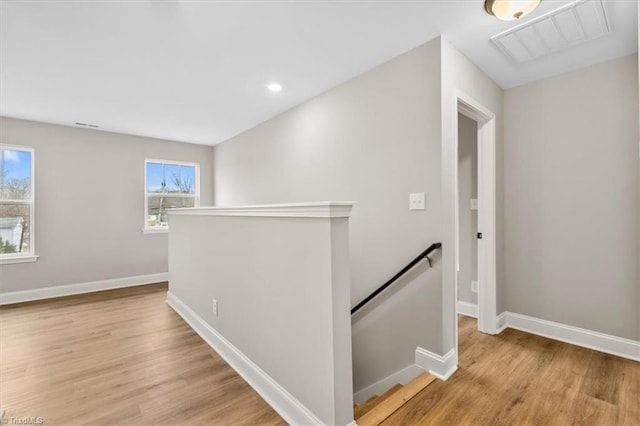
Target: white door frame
466, 105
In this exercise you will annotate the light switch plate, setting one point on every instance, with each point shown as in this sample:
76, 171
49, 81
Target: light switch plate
416, 201
474, 204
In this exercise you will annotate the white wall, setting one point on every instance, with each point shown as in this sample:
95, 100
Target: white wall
282, 287
90, 204
571, 190
467, 190
374, 140
458, 73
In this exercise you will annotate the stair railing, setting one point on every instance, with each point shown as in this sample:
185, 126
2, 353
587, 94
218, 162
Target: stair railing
424, 255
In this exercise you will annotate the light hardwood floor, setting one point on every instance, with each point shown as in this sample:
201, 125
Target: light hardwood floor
517, 378
120, 357
123, 357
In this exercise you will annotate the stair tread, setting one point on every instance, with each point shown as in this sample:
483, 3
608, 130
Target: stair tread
360, 409
370, 403
392, 402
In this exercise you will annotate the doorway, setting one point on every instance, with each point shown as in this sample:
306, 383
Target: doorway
467, 195
483, 246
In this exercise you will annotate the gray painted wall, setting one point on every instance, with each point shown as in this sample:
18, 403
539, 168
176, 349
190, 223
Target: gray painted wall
372, 140
571, 190
467, 190
90, 203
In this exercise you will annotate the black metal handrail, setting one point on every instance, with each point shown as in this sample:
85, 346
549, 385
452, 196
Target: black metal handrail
423, 255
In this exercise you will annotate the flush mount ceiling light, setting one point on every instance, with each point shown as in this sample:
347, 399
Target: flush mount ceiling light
510, 10
274, 87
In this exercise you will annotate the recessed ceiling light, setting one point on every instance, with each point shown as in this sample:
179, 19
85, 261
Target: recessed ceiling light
510, 10
274, 87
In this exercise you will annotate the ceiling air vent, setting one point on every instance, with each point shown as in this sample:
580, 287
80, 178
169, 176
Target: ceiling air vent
560, 29
93, 126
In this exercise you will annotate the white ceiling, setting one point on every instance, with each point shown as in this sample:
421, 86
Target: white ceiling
195, 71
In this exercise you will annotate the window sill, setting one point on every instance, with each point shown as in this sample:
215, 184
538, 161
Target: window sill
21, 258
163, 230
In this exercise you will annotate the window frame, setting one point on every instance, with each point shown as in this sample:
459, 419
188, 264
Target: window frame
9, 258
196, 195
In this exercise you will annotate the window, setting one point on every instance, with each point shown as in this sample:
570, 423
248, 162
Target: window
168, 184
16, 204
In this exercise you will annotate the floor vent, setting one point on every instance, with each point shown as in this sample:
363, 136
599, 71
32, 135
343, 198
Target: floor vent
560, 29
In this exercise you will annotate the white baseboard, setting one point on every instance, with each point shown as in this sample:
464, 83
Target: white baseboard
71, 289
292, 410
606, 343
501, 322
403, 377
467, 309
441, 366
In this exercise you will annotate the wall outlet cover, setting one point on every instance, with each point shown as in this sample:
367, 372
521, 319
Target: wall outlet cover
474, 286
417, 201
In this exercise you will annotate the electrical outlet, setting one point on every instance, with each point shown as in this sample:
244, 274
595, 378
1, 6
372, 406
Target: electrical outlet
215, 307
474, 286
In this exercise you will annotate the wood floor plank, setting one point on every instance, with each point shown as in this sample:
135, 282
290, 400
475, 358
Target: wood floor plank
601, 380
629, 394
117, 357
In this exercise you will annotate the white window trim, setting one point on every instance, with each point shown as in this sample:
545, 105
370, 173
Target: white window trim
9, 258
164, 229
